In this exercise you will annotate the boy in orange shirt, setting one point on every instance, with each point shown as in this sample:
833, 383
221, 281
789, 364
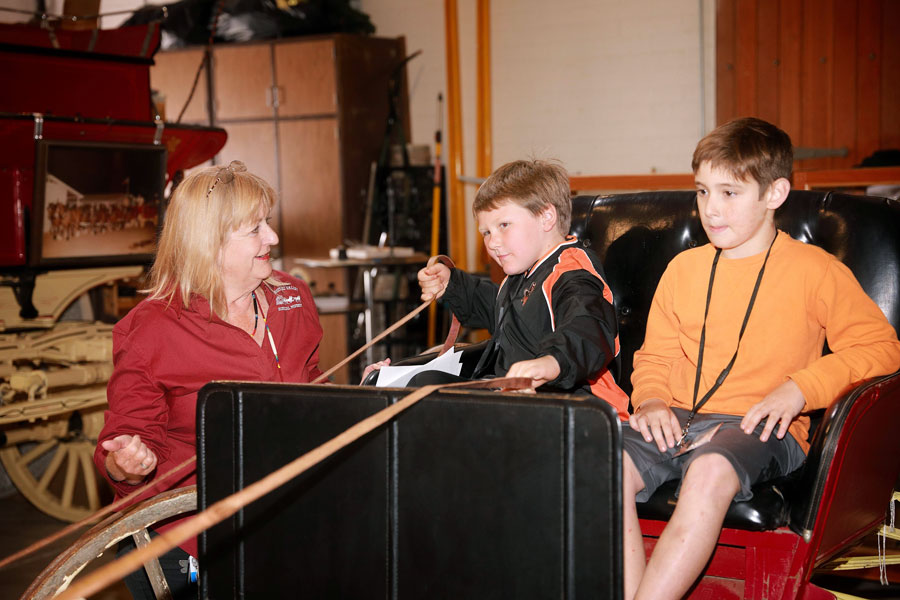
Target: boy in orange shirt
735, 337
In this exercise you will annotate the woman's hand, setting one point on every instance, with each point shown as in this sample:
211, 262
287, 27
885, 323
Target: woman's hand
654, 420
129, 458
433, 281
374, 367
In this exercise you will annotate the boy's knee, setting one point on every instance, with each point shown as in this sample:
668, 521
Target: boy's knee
712, 474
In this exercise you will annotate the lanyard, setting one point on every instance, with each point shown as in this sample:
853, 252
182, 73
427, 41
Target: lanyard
486, 362
485, 365
696, 406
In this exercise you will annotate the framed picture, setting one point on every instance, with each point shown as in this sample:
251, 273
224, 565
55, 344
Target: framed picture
96, 204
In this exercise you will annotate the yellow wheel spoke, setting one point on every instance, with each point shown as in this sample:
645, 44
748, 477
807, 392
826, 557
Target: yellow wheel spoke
86, 453
35, 459
36, 452
69, 485
53, 467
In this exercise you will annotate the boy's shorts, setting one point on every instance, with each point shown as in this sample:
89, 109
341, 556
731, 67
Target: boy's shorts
753, 460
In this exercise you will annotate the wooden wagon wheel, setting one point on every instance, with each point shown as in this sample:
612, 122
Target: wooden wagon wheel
134, 521
51, 464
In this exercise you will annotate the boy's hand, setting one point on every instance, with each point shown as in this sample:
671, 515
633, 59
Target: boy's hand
654, 420
374, 367
539, 370
781, 405
433, 281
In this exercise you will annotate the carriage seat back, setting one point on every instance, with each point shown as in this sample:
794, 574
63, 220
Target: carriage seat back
636, 235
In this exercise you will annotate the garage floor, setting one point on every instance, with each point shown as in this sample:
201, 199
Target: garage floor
21, 524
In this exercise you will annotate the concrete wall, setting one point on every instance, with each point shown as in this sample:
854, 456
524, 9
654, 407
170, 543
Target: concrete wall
606, 86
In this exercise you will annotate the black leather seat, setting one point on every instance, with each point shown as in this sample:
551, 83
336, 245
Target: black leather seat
636, 235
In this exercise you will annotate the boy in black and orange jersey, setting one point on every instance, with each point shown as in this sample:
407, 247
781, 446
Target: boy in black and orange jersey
552, 318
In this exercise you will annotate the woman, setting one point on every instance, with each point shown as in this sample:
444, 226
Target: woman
215, 310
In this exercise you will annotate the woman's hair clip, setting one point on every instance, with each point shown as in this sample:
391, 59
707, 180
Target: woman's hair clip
226, 174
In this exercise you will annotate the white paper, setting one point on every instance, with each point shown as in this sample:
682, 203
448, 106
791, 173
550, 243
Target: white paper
449, 362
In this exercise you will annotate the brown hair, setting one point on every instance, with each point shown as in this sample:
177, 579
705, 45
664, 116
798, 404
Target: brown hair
747, 147
205, 208
533, 185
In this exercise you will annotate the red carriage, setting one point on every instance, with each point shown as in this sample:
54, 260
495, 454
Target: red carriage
73, 102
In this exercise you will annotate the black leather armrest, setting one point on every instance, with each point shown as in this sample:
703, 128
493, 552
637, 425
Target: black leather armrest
471, 354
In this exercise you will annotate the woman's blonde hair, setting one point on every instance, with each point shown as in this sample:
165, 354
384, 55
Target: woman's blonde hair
205, 208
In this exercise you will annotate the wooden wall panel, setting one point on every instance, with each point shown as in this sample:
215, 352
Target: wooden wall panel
767, 60
815, 91
791, 53
890, 75
746, 56
868, 89
726, 47
844, 82
826, 71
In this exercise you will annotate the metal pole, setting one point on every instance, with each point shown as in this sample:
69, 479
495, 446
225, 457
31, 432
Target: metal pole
458, 241
484, 138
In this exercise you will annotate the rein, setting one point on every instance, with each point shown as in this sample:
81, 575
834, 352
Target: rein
239, 500
229, 505
448, 343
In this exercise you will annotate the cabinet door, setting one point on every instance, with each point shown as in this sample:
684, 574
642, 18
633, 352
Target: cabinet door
173, 75
242, 76
333, 347
311, 189
304, 73
253, 144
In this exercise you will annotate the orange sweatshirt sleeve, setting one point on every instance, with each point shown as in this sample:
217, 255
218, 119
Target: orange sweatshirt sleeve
862, 341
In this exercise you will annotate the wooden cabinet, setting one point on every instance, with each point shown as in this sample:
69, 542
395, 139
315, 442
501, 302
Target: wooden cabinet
173, 74
295, 67
308, 115
242, 83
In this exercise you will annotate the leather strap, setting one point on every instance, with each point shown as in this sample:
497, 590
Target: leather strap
221, 510
454, 323
448, 343
113, 507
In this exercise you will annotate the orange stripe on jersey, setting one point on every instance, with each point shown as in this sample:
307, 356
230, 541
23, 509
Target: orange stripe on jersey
502, 283
572, 259
606, 388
